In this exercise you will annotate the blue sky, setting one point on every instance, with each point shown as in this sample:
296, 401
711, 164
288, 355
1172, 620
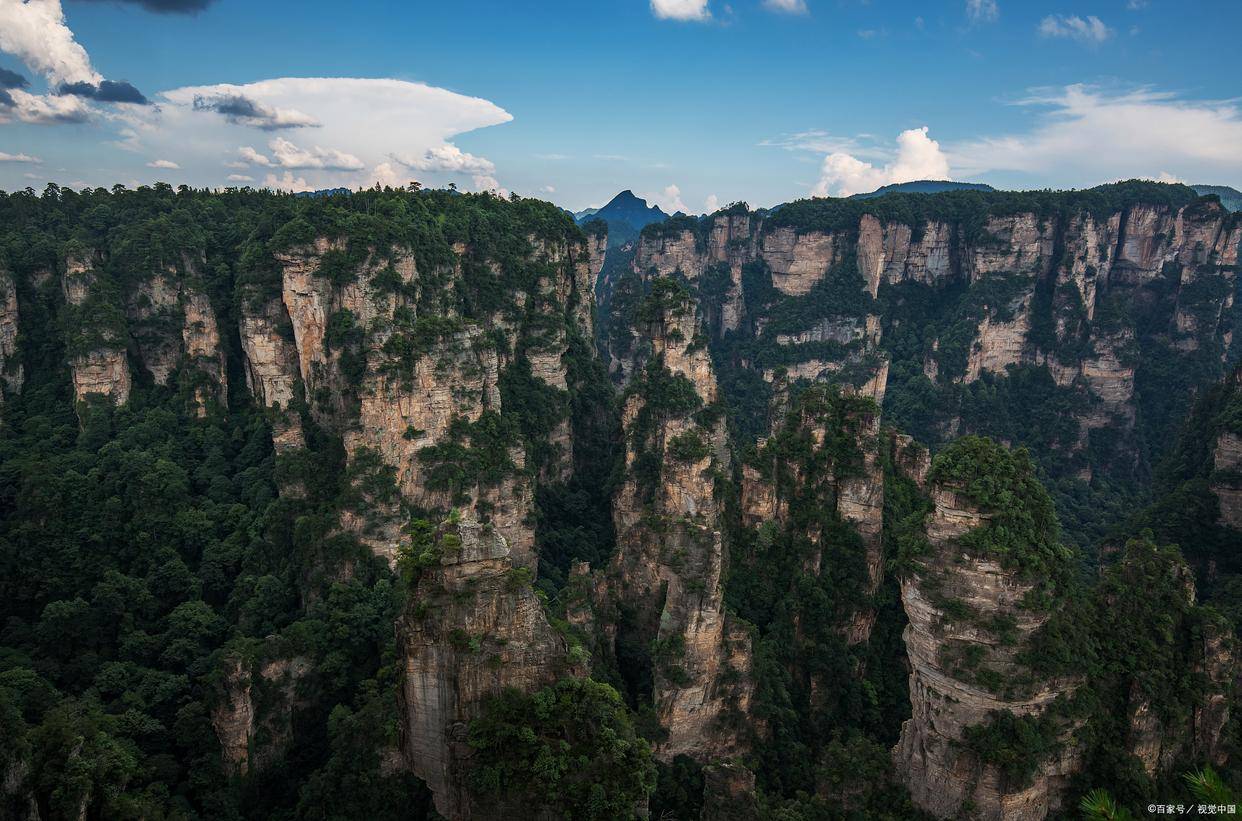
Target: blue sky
688, 102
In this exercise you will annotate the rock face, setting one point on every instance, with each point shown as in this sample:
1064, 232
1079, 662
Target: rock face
956, 658
238, 719
668, 570
174, 298
473, 629
12, 374
1227, 480
96, 346
1052, 291
837, 474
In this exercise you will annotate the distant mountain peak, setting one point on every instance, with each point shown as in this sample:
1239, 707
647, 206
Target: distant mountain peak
626, 215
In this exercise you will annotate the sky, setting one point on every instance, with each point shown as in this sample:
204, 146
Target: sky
692, 104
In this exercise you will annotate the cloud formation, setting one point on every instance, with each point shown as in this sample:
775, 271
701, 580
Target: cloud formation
11, 79
106, 91
364, 131
669, 200
682, 9
168, 164
241, 110
1089, 133
287, 155
26, 158
786, 6
1091, 30
35, 32
982, 11
165, 6
918, 157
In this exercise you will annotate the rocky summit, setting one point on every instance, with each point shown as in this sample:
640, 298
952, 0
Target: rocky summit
411, 503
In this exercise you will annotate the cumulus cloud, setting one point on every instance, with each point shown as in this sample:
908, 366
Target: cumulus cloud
1087, 133
35, 32
42, 109
786, 6
1091, 30
23, 158
288, 182
669, 199
712, 204
448, 157
287, 155
918, 157
683, 9
240, 178
169, 164
241, 110
166, 6
982, 11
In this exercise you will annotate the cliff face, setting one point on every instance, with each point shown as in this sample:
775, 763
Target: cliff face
12, 373
473, 628
959, 663
96, 352
668, 571
1096, 299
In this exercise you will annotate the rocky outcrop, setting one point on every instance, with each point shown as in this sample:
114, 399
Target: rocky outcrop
156, 308
12, 374
1227, 478
671, 554
959, 673
253, 714
271, 360
472, 629
96, 343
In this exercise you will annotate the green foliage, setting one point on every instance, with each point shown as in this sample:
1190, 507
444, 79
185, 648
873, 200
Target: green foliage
569, 750
1021, 530
1016, 745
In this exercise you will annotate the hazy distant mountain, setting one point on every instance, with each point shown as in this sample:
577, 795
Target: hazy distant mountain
1231, 198
625, 214
924, 187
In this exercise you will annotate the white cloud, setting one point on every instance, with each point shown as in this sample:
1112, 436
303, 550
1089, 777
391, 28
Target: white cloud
712, 204
982, 11
548, 189
169, 164
1091, 30
288, 155
240, 178
287, 183
44, 109
681, 9
1087, 134
1165, 176
25, 158
669, 199
1136, 5
447, 157
34, 31
786, 6
366, 129
918, 157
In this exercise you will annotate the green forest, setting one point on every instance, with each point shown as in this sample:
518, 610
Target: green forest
159, 556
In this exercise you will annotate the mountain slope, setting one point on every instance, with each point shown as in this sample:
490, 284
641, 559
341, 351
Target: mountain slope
625, 214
